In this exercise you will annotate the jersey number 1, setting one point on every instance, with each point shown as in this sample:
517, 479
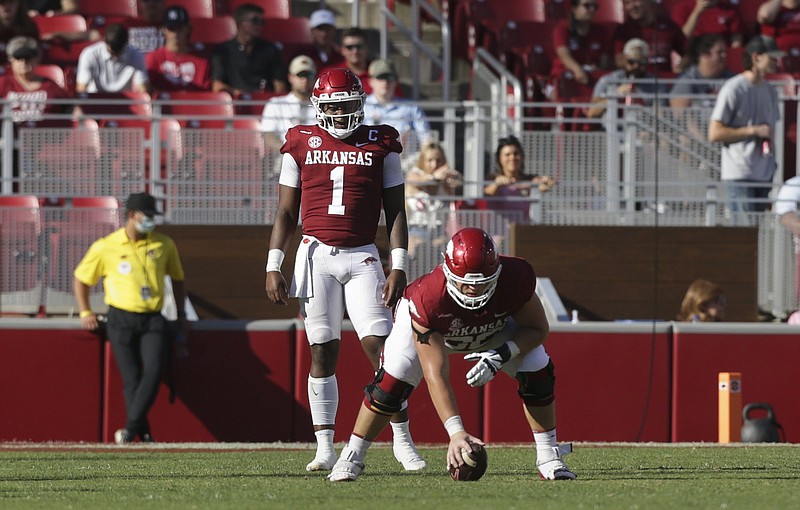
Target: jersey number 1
337, 200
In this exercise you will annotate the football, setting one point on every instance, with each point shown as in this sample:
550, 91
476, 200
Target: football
475, 464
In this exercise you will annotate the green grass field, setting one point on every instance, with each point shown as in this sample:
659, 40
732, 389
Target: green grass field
259, 476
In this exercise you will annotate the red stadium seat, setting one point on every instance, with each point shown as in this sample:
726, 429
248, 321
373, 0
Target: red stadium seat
48, 25
489, 17
107, 105
748, 11
526, 47
170, 143
198, 109
272, 8
252, 103
208, 32
609, 11
63, 53
288, 33
195, 8
52, 72
20, 253
127, 8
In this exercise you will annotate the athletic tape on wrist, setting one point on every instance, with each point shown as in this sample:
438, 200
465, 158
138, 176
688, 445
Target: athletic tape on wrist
400, 259
85, 313
453, 425
274, 260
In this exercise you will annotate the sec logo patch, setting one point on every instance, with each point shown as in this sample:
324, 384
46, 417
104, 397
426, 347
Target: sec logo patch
315, 142
124, 267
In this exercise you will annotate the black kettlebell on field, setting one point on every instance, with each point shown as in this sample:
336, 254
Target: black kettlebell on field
760, 430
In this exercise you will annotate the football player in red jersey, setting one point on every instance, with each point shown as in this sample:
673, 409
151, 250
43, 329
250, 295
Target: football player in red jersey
476, 302
338, 173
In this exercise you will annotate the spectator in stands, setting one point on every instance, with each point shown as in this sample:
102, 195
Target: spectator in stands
704, 302
709, 68
383, 107
785, 208
133, 262
743, 120
625, 82
14, 21
29, 96
326, 53
248, 62
293, 109
510, 180
581, 45
780, 19
52, 7
430, 177
356, 55
700, 17
175, 66
112, 65
644, 20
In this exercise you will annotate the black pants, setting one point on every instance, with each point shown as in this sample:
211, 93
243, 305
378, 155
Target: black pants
140, 343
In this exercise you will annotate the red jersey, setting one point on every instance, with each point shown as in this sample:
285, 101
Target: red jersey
467, 330
31, 105
785, 28
722, 18
586, 50
664, 36
341, 181
169, 70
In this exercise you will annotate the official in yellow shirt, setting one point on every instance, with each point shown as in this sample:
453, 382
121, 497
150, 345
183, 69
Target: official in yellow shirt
133, 262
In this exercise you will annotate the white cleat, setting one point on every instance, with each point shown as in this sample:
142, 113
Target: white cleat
555, 468
322, 462
346, 469
407, 455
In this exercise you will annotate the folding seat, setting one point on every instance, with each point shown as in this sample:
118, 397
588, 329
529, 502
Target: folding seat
132, 141
49, 25
127, 8
208, 32
197, 109
252, 103
71, 232
59, 157
288, 33
272, 8
53, 72
526, 47
64, 54
20, 254
196, 8
609, 11
489, 17
111, 105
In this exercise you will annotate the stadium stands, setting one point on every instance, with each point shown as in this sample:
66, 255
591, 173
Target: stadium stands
208, 32
196, 8
272, 8
198, 109
127, 8
20, 254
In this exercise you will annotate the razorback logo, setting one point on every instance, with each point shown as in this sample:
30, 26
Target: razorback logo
369, 261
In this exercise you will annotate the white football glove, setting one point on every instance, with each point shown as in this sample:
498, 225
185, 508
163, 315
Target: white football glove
489, 363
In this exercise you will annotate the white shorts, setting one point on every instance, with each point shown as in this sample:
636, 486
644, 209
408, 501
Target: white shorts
401, 361
351, 277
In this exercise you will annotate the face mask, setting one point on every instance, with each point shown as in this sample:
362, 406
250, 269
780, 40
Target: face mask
146, 226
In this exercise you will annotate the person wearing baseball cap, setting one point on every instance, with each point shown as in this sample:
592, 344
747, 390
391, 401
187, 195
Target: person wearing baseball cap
325, 51
743, 121
176, 65
282, 112
133, 262
384, 107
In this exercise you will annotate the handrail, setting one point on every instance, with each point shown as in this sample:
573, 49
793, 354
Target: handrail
484, 59
444, 62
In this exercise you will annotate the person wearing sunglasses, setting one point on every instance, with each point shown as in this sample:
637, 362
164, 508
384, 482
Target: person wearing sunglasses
581, 45
248, 62
645, 20
356, 56
628, 84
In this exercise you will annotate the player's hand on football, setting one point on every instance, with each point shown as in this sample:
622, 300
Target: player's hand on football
394, 287
457, 442
277, 292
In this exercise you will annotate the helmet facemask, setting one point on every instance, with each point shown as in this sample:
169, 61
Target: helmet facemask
464, 300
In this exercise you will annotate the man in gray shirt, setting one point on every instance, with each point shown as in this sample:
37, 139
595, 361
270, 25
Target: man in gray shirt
744, 119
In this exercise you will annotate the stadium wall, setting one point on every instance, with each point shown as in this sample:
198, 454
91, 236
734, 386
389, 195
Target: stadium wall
245, 381
607, 273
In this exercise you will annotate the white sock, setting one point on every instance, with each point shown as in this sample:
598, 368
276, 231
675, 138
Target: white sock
545, 443
358, 446
323, 399
401, 432
324, 440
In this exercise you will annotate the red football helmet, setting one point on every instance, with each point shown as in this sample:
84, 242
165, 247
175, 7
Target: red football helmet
471, 258
342, 88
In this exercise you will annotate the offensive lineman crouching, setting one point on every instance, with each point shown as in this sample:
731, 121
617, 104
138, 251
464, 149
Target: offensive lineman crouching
475, 302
